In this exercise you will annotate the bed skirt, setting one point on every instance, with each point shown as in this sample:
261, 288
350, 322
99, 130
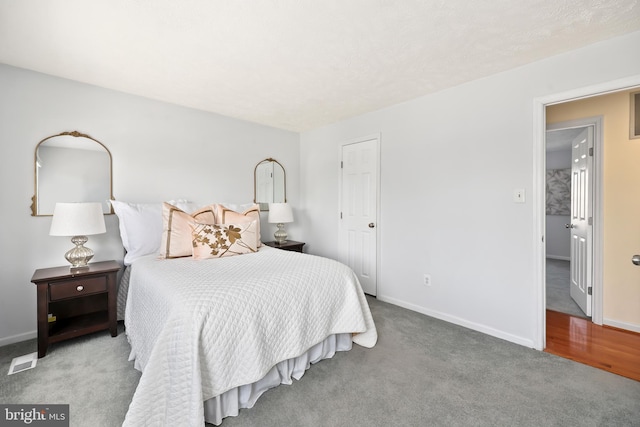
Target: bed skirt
123, 289
229, 403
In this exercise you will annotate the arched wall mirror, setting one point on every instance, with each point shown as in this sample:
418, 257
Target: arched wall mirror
71, 167
270, 183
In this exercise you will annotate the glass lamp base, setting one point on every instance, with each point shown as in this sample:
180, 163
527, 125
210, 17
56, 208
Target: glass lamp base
79, 256
280, 235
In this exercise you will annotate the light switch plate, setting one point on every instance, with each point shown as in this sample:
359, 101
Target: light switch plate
518, 195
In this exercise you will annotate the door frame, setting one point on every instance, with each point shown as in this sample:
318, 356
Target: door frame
595, 199
539, 199
376, 137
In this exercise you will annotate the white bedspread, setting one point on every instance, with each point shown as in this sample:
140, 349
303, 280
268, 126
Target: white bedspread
199, 328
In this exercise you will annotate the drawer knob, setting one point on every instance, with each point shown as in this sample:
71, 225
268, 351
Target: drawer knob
80, 288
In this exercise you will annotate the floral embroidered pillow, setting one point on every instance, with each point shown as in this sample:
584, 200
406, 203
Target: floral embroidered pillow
222, 240
176, 229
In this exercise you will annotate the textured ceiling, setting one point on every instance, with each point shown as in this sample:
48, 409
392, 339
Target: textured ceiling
296, 64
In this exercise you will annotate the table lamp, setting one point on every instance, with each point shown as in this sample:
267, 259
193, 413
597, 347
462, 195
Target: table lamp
280, 213
78, 220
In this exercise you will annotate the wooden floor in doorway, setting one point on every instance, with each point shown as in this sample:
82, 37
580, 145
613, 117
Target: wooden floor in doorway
614, 350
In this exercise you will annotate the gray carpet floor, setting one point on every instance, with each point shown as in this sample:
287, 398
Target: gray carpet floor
558, 294
422, 372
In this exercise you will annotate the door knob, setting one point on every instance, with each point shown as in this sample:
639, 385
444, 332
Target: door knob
371, 225
635, 259
569, 226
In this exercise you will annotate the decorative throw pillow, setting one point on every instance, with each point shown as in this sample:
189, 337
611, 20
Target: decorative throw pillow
226, 215
222, 240
183, 204
176, 229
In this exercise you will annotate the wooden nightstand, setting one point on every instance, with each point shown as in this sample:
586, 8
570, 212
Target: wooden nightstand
82, 302
289, 245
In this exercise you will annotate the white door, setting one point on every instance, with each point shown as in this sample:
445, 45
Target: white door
359, 207
581, 214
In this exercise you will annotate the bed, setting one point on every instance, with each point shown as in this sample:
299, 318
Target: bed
210, 336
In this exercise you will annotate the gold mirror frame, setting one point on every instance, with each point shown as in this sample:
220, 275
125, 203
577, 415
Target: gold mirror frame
76, 134
265, 206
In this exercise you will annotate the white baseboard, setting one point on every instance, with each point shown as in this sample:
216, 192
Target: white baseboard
621, 325
461, 322
18, 338
562, 258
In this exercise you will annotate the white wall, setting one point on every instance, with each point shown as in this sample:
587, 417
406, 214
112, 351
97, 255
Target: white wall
559, 159
449, 164
160, 151
557, 236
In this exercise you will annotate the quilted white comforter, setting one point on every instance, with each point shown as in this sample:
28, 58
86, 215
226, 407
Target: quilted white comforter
200, 328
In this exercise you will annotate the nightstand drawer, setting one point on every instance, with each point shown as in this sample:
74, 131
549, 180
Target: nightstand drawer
77, 287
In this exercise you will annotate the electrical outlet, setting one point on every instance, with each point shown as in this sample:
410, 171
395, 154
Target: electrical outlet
427, 280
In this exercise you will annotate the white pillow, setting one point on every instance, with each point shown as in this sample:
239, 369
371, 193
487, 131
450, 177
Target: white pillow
140, 228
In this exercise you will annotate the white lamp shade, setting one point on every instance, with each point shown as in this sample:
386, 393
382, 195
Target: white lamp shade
280, 213
77, 219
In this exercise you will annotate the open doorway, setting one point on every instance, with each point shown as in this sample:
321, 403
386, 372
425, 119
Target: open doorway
613, 273
602, 255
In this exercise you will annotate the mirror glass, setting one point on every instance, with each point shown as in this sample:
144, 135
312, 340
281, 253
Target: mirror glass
270, 184
71, 167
